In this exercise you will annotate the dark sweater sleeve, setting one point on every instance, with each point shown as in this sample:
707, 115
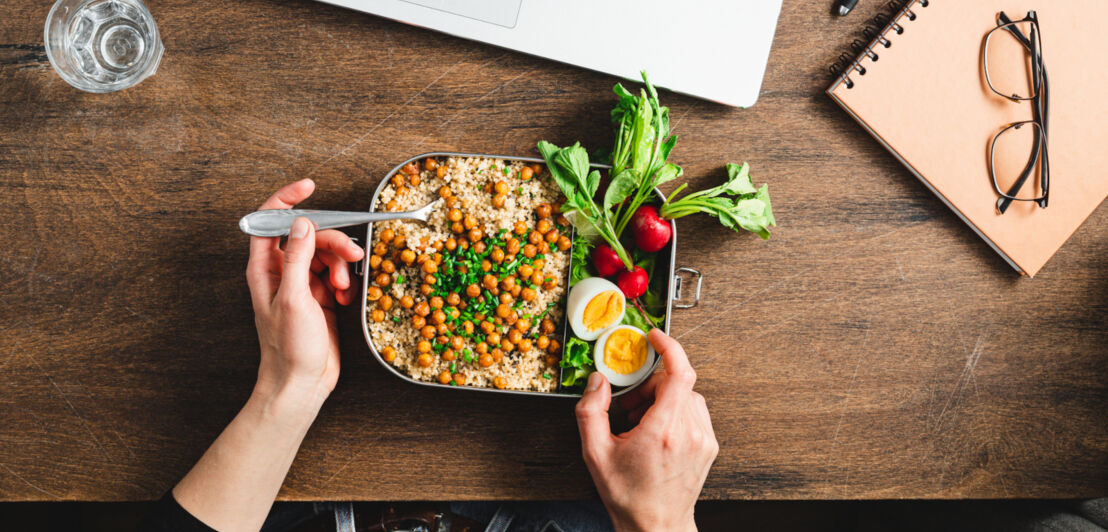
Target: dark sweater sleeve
168, 516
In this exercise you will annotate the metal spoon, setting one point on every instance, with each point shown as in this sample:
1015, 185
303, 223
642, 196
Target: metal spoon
277, 222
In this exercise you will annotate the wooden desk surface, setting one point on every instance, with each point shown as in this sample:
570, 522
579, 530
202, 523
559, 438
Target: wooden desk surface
875, 348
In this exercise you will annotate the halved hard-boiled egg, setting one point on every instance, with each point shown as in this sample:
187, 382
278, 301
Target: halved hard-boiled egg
623, 355
594, 304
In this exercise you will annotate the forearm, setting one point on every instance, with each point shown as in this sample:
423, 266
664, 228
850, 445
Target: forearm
234, 484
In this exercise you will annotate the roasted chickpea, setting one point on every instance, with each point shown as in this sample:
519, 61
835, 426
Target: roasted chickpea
552, 236
530, 250
564, 243
473, 290
444, 192
520, 227
454, 215
437, 245
384, 279
499, 200
451, 244
387, 235
542, 342
441, 171
497, 355
453, 313
449, 355
445, 377
475, 235
487, 327
378, 315
525, 271
410, 168
486, 265
469, 222
467, 326
415, 180
480, 246
407, 302
534, 238
493, 338
507, 345
388, 266
380, 249
562, 220
502, 310
515, 335
442, 339
385, 303
500, 383
526, 173
430, 267
550, 360
538, 264
436, 302
482, 347
500, 187
544, 248
460, 379
430, 164
426, 289
544, 226
456, 227
407, 256
457, 342
438, 317
453, 299
549, 283
423, 346
388, 353
484, 360
428, 331
543, 211
374, 262
392, 205
442, 329
422, 308
425, 360
373, 293
527, 294
547, 326
512, 317
524, 345
401, 191
418, 321
554, 347
523, 325
397, 181
516, 290
497, 255
489, 281
508, 282
536, 278
536, 168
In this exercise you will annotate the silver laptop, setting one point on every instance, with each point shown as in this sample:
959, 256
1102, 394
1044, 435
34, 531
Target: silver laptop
712, 49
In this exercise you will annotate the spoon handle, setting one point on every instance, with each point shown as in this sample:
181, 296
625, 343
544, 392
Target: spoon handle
277, 222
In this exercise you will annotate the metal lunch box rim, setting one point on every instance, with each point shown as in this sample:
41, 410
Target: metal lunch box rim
670, 285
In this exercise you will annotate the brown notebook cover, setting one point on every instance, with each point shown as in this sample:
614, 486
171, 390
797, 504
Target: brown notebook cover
925, 99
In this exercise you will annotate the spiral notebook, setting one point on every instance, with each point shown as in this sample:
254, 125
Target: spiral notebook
918, 87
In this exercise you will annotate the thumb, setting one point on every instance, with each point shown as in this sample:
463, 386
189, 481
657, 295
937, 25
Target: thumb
592, 415
299, 251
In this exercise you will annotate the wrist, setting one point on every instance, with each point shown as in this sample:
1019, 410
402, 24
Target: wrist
628, 523
291, 402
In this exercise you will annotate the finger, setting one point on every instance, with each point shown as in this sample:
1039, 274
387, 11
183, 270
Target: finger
299, 250
340, 244
339, 273
643, 394
317, 265
289, 195
263, 270
346, 297
592, 418
679, 374
321, 292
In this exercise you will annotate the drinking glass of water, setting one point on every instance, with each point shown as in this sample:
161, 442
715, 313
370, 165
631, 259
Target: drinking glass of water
102, 45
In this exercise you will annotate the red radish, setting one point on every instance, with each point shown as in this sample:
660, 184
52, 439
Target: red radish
606, 260
651, 231
633, 283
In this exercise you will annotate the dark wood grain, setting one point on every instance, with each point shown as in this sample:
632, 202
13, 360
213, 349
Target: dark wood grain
875, 348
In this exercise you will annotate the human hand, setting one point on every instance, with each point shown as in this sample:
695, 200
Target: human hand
649, 477
294, 302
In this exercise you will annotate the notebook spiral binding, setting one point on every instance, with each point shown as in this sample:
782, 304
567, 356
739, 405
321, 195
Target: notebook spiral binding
873, 35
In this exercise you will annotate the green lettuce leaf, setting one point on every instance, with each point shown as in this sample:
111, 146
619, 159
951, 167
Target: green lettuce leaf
576, 363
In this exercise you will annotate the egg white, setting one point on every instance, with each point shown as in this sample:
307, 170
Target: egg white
580, 295
614, 377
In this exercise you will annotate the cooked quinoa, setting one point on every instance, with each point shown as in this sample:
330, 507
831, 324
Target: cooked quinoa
473, 297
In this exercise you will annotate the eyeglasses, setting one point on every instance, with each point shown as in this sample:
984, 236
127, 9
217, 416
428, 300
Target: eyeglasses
1014, 69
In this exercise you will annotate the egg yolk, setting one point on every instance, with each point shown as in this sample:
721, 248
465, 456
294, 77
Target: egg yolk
602, 310
625, 351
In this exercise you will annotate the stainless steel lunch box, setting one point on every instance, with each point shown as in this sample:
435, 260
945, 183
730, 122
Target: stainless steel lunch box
674, 280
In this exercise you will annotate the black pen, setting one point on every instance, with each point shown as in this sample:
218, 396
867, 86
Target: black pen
845, 6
